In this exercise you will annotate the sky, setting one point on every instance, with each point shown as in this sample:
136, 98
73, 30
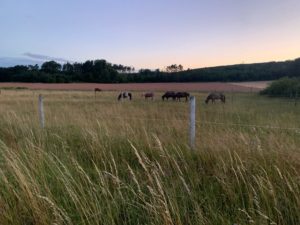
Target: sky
149, 33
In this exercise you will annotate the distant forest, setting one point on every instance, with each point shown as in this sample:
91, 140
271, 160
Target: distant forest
101, 71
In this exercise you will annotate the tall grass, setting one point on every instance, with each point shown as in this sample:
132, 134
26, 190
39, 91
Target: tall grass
99, 161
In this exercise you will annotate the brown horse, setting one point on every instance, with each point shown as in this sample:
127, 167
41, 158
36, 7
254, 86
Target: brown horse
148, 95
169, 94
180, 95
215, 96
97, 90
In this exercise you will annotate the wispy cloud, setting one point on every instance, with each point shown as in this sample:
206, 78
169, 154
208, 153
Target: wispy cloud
45, 57
13, 61
29, 58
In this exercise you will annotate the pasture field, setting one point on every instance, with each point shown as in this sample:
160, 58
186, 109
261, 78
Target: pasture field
253, 84
99, 161
195, 86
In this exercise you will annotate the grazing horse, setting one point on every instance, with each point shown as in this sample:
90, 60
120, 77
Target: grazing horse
169, 94
97, 90
125, 95
180, 95
215, 96
148, 95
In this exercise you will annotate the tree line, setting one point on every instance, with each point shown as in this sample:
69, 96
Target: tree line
105, 72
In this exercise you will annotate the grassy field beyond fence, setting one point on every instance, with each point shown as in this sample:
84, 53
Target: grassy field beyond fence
100, 161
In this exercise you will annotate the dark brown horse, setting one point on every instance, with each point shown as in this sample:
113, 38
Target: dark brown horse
124, 95
180, 95
169, 94
215, 96
97, 90
148, 95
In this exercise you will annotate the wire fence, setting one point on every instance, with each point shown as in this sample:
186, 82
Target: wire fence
297, 129
184, 118
189, 119
206, 123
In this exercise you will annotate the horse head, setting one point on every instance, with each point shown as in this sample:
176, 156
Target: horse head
120, 96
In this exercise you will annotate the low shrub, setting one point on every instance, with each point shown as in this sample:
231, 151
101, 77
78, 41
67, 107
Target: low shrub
284, 87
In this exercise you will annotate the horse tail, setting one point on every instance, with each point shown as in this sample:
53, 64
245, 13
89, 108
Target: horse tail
130, 96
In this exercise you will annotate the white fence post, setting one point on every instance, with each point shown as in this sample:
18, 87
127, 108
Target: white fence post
41, 111
296, 96
192, 122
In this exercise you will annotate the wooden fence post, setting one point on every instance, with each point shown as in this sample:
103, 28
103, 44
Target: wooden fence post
41, 111
192, 122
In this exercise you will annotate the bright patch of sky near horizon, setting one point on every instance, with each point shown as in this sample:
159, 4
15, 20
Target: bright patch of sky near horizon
152, 34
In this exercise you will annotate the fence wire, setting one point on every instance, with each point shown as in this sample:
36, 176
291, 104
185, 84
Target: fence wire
206, 123
249, 125
184, 117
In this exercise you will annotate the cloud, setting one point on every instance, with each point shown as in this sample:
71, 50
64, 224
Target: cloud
45, 57
30, 59
13, 61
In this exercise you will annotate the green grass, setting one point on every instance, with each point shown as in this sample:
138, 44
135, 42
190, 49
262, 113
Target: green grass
99, 161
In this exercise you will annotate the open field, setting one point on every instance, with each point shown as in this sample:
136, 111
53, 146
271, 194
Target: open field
99, 161
203, 87
253, 84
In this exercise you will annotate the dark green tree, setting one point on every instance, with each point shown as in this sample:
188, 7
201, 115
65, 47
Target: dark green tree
33, 68
174, 68
295, 68
68, 68
51, 67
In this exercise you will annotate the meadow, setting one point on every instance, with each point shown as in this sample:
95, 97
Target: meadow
100, 161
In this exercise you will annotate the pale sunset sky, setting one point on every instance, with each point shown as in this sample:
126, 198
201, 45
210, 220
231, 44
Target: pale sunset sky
149, 34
